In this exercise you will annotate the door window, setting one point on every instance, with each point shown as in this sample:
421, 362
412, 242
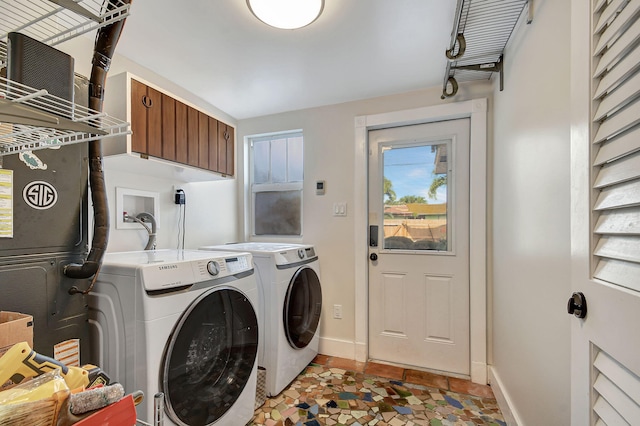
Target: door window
302, 307
210, 357
415, 193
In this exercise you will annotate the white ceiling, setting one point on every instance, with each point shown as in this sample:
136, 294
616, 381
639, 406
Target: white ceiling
357, 49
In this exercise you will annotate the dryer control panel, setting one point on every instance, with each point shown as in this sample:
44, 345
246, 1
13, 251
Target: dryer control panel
295, 255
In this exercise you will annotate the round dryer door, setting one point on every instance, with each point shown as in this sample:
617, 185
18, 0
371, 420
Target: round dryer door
209, 357
302, 307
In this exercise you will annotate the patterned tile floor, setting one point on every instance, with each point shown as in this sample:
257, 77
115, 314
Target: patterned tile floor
338, 391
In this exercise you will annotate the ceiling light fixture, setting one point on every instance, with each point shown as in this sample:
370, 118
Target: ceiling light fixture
286, 14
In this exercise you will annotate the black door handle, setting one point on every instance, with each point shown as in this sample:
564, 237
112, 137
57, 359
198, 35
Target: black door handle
577, 305
373, 257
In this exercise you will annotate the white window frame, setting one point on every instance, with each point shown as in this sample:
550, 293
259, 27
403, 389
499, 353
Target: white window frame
253, 188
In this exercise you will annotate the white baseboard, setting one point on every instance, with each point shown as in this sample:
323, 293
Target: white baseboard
479, 373
362, 354
340, 348
504, 401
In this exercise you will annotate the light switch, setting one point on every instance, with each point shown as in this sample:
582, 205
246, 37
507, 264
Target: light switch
340, 209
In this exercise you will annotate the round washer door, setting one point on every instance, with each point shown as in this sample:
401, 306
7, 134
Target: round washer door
209, 357
302, 307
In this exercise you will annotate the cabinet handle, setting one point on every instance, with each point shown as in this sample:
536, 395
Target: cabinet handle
226, 135
147, 101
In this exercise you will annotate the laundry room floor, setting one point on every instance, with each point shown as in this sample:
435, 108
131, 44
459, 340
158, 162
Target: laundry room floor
338, 391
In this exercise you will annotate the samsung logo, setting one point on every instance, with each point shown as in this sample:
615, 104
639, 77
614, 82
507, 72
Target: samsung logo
165, 267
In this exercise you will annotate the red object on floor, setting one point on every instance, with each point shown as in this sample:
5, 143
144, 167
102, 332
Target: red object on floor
121, 413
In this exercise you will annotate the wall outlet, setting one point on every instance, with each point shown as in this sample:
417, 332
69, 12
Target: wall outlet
337, 311
179, 197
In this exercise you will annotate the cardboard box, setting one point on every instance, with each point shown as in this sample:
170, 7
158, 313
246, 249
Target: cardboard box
15, 328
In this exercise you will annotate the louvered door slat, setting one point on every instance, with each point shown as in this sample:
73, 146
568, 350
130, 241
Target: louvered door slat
621, 248
608, 416
623, 120
623, 195
608, 14
625, 406
618, 99
624, 274
619, 146
628, 382
623, 170
599, 4
619, 49
622, 70
619, 25
625, 221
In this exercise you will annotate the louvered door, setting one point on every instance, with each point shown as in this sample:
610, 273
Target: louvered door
606, 211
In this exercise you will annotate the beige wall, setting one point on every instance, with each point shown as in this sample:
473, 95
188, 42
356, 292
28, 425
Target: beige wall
531, 220
329, 137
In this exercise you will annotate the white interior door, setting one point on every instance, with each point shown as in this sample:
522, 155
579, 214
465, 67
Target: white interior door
606, 212
419, 245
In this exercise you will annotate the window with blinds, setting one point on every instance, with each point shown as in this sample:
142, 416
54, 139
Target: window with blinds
616, 141
276, 181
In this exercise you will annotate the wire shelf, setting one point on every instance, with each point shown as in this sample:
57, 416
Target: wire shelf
485, 27
51, 23
33, 119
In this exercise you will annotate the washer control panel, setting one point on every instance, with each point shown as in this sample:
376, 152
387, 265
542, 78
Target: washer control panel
224, 266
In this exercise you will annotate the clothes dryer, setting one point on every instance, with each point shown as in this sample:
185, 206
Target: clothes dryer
180, 322
291, 304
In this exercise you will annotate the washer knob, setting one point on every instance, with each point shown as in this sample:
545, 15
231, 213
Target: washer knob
301, 253
213, 267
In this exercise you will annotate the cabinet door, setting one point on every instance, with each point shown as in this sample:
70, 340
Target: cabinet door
213, 143
168, 128
225, 148
154, 122
203, 140
230, 151
182, 145
192, 136
138, 117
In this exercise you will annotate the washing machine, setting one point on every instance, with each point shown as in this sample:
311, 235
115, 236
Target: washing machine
180, 322
291, 304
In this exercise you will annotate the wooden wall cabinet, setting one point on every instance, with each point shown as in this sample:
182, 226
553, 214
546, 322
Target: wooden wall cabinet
170, 130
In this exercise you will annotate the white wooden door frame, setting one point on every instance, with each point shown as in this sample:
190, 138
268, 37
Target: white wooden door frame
476, 110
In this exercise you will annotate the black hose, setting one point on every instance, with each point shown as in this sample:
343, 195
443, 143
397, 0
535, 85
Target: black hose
104, 48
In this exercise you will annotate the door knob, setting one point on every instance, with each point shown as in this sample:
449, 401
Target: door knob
577, 305
373, 257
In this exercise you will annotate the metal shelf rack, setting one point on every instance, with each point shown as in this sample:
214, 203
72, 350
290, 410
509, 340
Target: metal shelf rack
30, 118
481, 30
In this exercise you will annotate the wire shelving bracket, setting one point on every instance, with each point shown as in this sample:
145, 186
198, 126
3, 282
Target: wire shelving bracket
481, 30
